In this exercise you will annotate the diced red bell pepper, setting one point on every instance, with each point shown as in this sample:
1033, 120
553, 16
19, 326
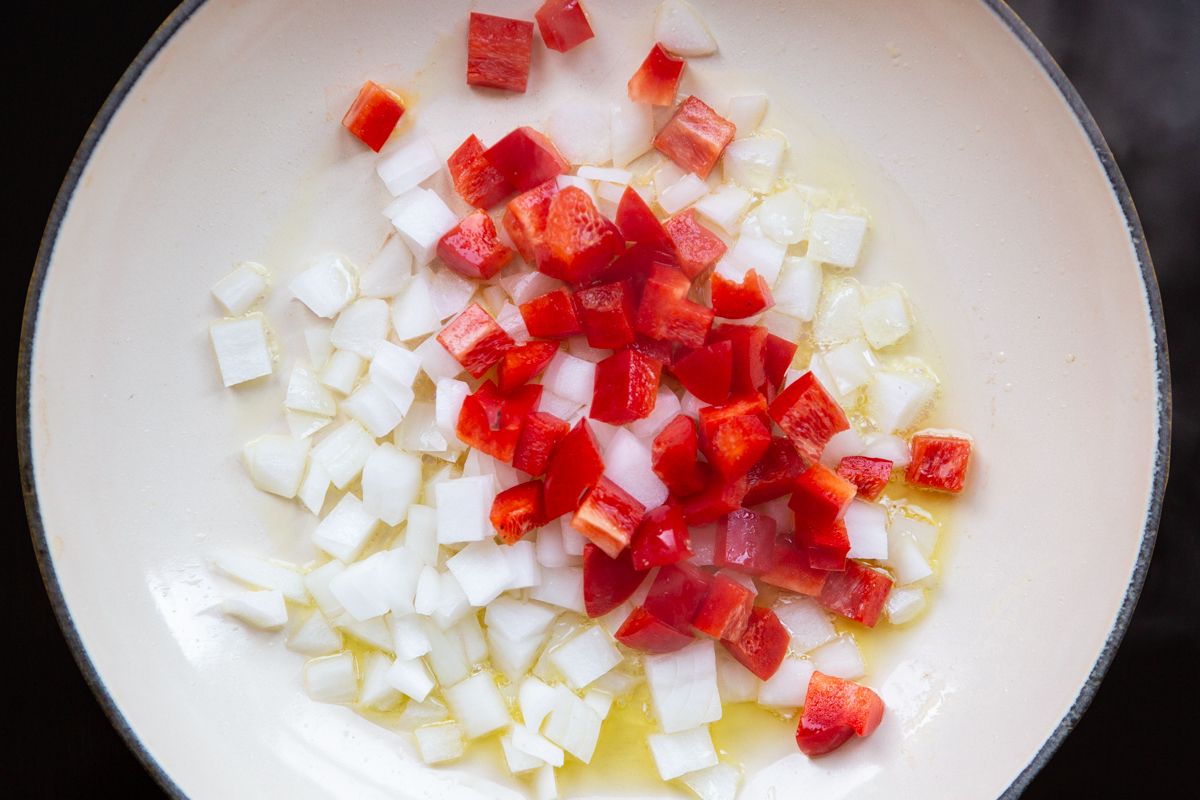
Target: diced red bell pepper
607, 581
775, 474
606, 313
662, 352
491, 422
869, 475
517, 510
827, 546
564, 24
820, 498
666, 314
749, 355
707, 372
793, 570
608, 516
636, 263
676, 594
373, 115
834, 710
808, 415
551, 316
734, 436
657, 79
499, 50
476, 180
579, 241
725, 611
777, 357
638, 223
540, 435
626, 387
475, 340
745, 542
520, 364
762, 645
525, 219
471, 247
646, 632
857, 593
696, 247
526, 158
695, 136
575, 467
939, 462
673, 457
733, 300
719, 497
661, 538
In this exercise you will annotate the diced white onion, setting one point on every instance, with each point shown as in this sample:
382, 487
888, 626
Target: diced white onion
600, 701
752, 251
683, 686
263, 574
573, 725
391, 482
570, 377
361, 326
885, 316
263, 609
523, 286
866, 527
408, 636
905, 558
376, 692
342, 370
477, 704
666, 406
514, 657
523, 564
331, 679
429, 587
904, 604
679, 753
924, 533
837, 319
450, 291
754, 162
851, 365
371, 632
562, 587
746, 112
535, 745
606, 175
407, 162
680, 29
302, 424
276, 463
305, 393
839, 658
422, 218
627, 463
735, 683
371, 406
843, 443
896, 401
518, 761
327, 286
585, 657
243, 353
463, 506
836, 239
784, 216
317, 583
345, 529
389, 272
806, 621
889, 446
447, 657
682, 193
788, 686
481, 570
581, 131
440, 742
317, 344
715, 783
549, 546
798, 288
241, 289
589, 188
725, 207
315, 637
413, 310
632, 131
344, 452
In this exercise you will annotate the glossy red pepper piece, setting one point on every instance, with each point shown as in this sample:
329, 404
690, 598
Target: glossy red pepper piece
707, 372
695, 136
673, 456
607, 581
745, 542
820, 497
540, 435
661, 538
499, 50
520, 364
762, 645
525, 219
551, 316
575, 467
827, 546
638, 223
491, 422
475, 180
608, 517
662, 352
725, 611
475, 340
857, 593
777, 358
635, 264
657, 79
834, 710
939, 462
606, 314
719, 497
579, 241
563, 24
666, 314
696, 247
373, 115
808, 415
793, 570
676, 594
517, 511
734, 436
749, 344
869, 475
646, 632
775, 474
526, 158
733, 300
471, 247
626, 387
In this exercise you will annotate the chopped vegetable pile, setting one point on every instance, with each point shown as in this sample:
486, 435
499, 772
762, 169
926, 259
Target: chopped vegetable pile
557, 444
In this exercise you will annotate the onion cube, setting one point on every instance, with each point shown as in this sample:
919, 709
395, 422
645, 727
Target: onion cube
411, 678
371, 632
429, 586
632, 131
585, 657
317, 583
667, 175
418, 431
562, 587
924, 533
843, 443
533, 744
371, 406
573, 725
361, 326
408, 636
473, 639
666, 406
613, 620
394, 370
627, 463
714, 783
600, 701
611, 175
413, 311
422, 219
331, 679
344, 452
836, 239
316, 342
481, 569
510, 320
360, 590
408, 162
735, 683
838, 313
437, 363
680, 29
264, 609
315, 637
851, 366
477, 704
806, 621
513, 657
452, 604
345, 529
420, 535
399, 572
896, 401
240, 289
327, 286
904, 604
242, 350
682, 752
683, 686
545, 786
276, 463
752, 251
746, 112
753, 162
839, 658
440, 742
588, 187
559, 406
788, 686
905, 558
518, 761
314, 487
428, 712
682, 193
549, 546
447, 656
581, 130
887, 446
536, 700
885, 316
341, 371
450, 291
391, 481
463, 505
725, 207
524, 286
448, 403
305, 393
389, 272
784, 216
866, 527
569, 377
523, 564
376, 692
573, 541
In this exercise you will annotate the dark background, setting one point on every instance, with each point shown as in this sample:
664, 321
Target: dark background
1137, 65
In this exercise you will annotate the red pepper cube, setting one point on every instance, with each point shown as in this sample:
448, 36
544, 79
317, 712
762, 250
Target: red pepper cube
526, 158
662, 352
563, 24
551, 316
475, 340
661, 538
869, 475
638, 223
673, 457
808, 415
491, 422
525, 219
834, 710
777, 357
579, 241
749, 355
626, 387
774, 475
471, 247
762, 645
520, 364
499, 50
475, 180
666, 314
707, 372
636, 264
676, 594
606, 313
725, 611
517, 511
608, 517
720, 496
575, 467
820, 498
696, 247
657, 79
939, 462
373, 115
745, 542
827, 546
857, 593
733, 300
646, 632
540, 435
794, 571
607, 581
735, 436
695, 137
